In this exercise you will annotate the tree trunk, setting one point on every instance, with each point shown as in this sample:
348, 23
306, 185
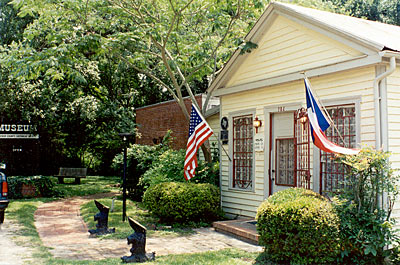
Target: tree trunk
205, 147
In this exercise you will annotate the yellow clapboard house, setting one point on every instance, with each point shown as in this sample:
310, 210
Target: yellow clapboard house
354, 68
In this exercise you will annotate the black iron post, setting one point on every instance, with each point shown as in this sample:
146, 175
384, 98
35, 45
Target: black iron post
125, 139
124, 186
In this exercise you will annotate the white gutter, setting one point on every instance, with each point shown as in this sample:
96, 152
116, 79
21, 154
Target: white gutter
380, 106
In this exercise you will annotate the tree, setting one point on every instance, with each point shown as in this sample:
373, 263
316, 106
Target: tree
64, 82
173, 43
11, 26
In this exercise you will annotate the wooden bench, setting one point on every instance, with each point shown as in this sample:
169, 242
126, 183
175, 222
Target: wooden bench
67, 172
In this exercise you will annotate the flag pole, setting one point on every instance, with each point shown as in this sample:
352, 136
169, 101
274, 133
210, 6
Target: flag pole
220, 144
326, 112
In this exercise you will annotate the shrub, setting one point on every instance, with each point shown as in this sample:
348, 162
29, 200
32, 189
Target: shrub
182, 202
168, 167
44, 186
139, 160
366, 227
298, 226
149, 165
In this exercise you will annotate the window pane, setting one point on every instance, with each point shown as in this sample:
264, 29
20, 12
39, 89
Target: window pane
242, 152
285, 161
332, 173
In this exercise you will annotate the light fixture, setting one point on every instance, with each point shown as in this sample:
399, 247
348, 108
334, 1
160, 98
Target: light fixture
303, 116
257, 124
303, 120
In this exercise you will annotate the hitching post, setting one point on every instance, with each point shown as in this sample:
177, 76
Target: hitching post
124, 138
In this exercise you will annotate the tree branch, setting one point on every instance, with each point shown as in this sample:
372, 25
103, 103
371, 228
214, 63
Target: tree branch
188, 89
178, 99
220, 42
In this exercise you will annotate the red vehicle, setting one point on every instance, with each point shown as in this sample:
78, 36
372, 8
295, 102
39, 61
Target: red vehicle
3, 193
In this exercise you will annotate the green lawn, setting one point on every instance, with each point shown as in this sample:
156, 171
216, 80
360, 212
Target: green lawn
136, 211
23, 211
89, 185
222, 257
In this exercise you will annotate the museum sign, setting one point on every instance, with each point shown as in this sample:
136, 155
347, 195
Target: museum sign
18, 131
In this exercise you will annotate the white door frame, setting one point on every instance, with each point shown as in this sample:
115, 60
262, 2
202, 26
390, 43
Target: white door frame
268, 110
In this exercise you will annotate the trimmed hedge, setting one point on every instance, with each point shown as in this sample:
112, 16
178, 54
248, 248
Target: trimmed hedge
175, 202
298, 226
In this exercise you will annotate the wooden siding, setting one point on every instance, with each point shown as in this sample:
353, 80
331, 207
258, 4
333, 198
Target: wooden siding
213, 121
288, 47
332, 88
393, 109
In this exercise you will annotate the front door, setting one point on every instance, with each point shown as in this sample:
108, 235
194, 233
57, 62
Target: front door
290, 151
282, 151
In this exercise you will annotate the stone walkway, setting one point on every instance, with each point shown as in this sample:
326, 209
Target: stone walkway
61, 228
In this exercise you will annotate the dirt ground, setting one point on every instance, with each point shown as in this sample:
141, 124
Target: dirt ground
10, 252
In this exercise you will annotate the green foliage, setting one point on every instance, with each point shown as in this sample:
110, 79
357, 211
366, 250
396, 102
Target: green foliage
44, 185
11, 26
386, 11
183, 202
150, 165
297, 226
366, 227
168, 167
111, 52
139, 159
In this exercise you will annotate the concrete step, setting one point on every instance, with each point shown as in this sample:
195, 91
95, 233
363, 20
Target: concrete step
244, 229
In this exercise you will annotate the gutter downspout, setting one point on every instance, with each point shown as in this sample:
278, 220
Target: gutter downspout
381, 136
381, 128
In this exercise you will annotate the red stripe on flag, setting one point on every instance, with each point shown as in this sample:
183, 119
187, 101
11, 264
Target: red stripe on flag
200, 134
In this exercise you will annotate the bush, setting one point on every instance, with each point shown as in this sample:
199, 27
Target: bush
150, 165
176, 202
366, 227
298, 226
168, 167
44, 186
139, 160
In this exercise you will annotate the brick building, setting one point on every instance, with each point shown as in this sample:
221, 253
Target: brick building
155, 120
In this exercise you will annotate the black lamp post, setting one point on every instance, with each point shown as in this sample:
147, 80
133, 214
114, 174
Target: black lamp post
125, 139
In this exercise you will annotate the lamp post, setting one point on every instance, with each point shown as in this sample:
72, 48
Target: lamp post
124, 139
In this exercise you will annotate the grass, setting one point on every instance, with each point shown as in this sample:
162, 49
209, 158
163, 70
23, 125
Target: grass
222, 257
89, 185
22, 211
136, 211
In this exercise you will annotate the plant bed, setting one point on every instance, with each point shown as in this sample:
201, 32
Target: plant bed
31, 187
29, 191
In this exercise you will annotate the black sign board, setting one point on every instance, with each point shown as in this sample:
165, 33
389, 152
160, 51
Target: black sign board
224, 136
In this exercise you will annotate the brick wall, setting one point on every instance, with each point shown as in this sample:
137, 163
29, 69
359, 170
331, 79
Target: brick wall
154, 121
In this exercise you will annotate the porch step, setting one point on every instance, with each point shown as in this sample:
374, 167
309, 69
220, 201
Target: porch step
244, 229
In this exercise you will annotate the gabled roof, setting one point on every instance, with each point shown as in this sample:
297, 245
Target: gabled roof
383, 36
369, 36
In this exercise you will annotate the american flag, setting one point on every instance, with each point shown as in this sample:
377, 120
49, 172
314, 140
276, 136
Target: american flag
199, 132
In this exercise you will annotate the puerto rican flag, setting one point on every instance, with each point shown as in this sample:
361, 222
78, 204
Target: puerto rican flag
199, 132
319, 123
